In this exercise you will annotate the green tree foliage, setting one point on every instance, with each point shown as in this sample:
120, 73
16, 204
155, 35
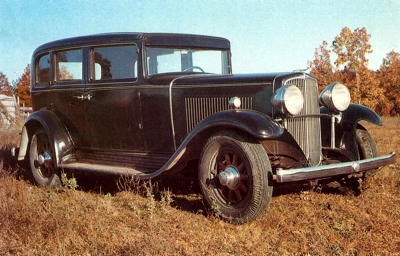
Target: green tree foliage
23, 88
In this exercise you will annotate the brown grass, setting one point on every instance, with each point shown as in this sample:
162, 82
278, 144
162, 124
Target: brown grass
110, 216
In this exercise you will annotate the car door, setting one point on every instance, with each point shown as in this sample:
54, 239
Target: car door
67, 92
113, 114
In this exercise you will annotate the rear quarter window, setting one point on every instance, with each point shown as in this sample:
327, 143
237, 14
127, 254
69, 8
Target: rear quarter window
43, 69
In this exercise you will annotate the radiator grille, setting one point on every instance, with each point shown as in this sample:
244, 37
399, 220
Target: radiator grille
306, 130
198, 109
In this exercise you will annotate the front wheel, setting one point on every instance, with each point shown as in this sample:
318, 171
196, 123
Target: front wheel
42, 160
366, 147
235, 177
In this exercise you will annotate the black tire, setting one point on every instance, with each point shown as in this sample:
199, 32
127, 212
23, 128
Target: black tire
366, 147
355, 185
45, 172
245, 193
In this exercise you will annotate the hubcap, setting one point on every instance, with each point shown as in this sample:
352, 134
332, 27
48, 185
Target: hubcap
229, 177
233, 177
45, 159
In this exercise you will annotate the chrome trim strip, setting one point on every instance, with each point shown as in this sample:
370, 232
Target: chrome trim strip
322, 171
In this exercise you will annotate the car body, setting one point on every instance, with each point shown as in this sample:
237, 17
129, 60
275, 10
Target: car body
144, 103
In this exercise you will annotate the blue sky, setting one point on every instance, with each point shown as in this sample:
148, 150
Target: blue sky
265, 35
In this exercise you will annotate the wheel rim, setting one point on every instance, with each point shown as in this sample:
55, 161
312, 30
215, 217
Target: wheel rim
232, 177
43, 159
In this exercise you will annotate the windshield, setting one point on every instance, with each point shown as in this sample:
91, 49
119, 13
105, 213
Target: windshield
173, 60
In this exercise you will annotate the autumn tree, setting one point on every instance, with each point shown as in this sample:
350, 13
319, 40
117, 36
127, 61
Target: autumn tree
350, 48
5, 87
321, 66
23, 88
389, 77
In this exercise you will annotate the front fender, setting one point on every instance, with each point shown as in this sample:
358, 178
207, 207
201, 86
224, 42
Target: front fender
355, 113
346, 128
63, 147
252, 122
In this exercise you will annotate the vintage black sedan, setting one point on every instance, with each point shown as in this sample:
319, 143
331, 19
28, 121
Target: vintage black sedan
141, 104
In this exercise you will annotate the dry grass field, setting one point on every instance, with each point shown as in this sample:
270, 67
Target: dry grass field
108, 215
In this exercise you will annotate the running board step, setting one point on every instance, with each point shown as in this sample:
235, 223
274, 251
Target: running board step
117, 170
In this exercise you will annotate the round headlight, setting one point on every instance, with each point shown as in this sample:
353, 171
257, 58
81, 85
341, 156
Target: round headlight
288, 99
336, 97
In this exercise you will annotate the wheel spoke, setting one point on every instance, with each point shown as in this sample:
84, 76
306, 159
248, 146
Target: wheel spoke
244, 177
224, 189
221, 165
242, 187
231, 195
227, 159
235, 160
238, 195
241, 167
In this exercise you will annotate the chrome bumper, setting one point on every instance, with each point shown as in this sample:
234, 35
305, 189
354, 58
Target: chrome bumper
324, 171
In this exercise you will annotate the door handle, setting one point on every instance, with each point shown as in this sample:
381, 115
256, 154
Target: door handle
84, 97
79, 97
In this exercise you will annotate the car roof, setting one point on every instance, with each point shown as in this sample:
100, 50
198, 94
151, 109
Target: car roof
150, 39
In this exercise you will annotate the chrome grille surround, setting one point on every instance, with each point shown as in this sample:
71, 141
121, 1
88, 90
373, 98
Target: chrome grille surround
197, 109
306, 127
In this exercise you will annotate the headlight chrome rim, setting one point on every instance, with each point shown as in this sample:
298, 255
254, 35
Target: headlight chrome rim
288, 99
335, 97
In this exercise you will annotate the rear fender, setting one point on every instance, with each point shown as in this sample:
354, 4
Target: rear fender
54, 128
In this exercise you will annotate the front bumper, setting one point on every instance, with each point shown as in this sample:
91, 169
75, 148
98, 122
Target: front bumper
324, 171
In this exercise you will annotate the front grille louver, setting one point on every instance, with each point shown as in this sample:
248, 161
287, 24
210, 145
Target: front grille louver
307, 130
197, 109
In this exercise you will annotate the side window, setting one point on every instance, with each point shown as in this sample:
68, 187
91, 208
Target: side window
43, 69
114, 62
69, 65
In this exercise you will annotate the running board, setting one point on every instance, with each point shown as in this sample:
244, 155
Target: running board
117, 170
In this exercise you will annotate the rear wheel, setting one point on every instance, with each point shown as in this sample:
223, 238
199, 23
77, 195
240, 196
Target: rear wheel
235, 177
42, 160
